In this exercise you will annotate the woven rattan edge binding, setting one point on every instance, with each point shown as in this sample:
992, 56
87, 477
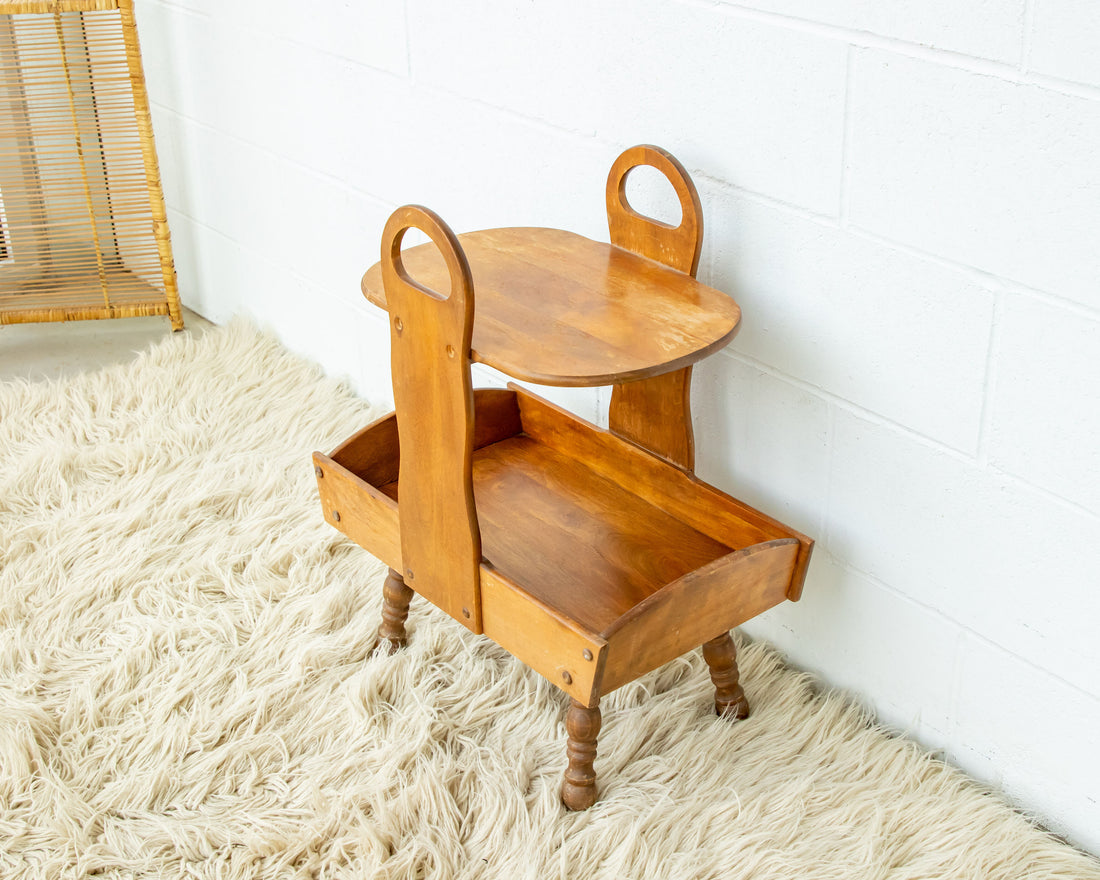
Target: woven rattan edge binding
7, 7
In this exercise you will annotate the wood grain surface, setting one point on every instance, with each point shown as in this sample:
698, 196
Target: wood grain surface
559, 309
429, 357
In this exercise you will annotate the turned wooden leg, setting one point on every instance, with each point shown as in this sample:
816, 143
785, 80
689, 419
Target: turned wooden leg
729, 698
395, 609
578, 789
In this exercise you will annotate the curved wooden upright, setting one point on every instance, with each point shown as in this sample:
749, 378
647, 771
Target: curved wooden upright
656, 412
433, 395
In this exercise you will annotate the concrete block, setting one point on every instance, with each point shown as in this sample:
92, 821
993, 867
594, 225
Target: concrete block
201, 7
1064, 37
901, 665
212, 271
1038, 732
314, 225
990, 173
893, 333
315, 325
992, 29
285, 97
754, 104
989, 553
374, 384
1046, 401
762, 440
370, 32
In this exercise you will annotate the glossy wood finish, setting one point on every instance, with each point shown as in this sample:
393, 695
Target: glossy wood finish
396, 597
590, 543
592, 555
542, 636
433, 394
349, 482
675, 246
559, 309
582, 724
695, 608
729, 696
575, 539
656, 412
684, 496
359, 509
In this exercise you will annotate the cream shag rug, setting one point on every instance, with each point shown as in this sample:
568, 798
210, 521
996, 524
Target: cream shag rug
186, 687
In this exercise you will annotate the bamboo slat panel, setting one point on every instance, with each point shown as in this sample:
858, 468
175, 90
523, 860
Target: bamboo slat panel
83, 228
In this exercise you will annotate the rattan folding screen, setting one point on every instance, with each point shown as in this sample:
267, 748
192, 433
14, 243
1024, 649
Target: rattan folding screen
83, 231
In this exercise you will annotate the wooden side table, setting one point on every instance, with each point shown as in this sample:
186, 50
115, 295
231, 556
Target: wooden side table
592, 556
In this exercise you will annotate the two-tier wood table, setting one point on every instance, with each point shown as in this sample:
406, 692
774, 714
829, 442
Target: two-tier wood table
593, 556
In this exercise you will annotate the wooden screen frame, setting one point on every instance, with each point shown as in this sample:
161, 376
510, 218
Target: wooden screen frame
30, 245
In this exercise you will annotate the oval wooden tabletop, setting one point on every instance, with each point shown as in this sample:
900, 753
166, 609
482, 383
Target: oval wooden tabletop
556, 308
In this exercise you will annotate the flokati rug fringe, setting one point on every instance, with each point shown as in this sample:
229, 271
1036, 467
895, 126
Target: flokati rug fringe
187, 689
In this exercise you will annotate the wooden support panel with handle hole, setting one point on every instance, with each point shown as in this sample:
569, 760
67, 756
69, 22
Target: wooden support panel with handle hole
592, 555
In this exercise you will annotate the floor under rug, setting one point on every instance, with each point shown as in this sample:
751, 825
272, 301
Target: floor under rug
187, 688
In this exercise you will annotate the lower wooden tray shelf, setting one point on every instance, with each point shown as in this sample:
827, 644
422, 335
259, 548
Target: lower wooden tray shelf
601, 561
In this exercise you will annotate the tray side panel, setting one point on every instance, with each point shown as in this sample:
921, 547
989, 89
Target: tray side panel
558, 649
709, 510
698, 607
373, 453
366, 516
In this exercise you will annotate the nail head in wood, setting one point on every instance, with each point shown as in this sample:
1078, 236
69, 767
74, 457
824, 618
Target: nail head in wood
398, 324
466, 613
336, 516
450, 351
587, 654
319, 471
566, 677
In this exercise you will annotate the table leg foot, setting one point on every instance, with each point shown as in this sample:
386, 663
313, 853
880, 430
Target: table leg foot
396, 597
578, 789
729, 696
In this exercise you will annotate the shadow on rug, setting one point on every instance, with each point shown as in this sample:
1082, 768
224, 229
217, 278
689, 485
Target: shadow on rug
186, 688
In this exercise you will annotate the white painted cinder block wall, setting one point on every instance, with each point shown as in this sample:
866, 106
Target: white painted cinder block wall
904, 198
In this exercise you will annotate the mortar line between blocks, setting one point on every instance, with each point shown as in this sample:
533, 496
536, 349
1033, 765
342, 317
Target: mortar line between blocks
967, 630
176, 7
1026, 37
1053, 300
508, 112
1050, 495
850, 406
409, 75
990, 385
983, 277
846, 139
294, 274
280, 157
830, 461
315, 48
879, 420
760, 198
1006, 70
